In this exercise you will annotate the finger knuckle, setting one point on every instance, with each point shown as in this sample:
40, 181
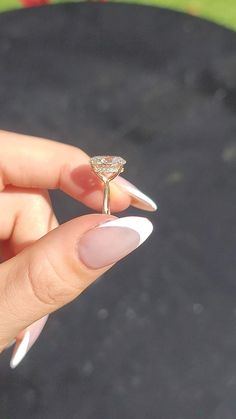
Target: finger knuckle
37, 199
48, 283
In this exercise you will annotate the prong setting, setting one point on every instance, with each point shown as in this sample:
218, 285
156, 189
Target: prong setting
107, 168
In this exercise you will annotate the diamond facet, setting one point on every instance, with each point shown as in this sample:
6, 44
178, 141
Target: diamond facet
107, 166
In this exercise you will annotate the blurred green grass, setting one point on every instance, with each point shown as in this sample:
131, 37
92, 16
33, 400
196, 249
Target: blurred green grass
9, 4
222, 12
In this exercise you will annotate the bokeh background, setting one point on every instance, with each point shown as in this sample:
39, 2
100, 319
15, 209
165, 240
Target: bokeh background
155, 338
220, 11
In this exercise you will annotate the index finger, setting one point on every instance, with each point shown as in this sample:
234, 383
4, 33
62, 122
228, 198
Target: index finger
39, 163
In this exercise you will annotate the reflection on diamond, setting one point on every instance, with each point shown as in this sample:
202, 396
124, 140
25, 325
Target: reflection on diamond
107, 165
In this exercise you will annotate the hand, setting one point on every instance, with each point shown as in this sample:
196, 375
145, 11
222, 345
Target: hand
45, 266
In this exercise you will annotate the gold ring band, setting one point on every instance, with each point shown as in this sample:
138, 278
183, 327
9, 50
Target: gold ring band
107, 168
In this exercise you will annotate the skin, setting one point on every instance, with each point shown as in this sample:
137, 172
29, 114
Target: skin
39, 274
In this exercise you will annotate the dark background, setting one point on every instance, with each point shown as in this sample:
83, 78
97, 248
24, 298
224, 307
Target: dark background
155, 338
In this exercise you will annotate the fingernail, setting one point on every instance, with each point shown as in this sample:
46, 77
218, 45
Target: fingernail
139, 199
20, 351
23, 345
111, 241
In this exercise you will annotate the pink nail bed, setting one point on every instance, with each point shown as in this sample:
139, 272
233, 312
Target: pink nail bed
111, 241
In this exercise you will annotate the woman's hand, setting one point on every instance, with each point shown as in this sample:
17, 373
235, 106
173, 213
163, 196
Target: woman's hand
45, 266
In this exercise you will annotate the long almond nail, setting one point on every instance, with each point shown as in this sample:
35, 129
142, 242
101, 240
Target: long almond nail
111, 241
21, 350
139, 199
24, 344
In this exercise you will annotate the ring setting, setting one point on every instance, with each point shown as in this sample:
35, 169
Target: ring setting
107, 168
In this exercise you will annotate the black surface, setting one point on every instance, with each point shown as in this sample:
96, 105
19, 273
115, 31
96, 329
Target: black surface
155, 338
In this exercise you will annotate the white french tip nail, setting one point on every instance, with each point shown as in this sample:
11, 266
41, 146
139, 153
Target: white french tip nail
21, 351
140, 196
141, 225
139, 199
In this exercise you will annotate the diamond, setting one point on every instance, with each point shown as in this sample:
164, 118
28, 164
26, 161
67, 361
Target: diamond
107, 166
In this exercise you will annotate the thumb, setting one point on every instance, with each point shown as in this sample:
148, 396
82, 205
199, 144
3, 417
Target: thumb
58, 267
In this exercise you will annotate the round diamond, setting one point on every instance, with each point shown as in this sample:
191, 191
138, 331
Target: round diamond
107, 165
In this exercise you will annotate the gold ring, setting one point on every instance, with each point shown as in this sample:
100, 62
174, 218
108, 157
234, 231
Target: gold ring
107, 168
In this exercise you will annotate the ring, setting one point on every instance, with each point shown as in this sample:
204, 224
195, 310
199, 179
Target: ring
107, 168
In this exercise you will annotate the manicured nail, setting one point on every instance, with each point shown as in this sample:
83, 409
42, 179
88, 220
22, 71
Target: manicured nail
21, 350
23, 345
111, 241
139, 199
